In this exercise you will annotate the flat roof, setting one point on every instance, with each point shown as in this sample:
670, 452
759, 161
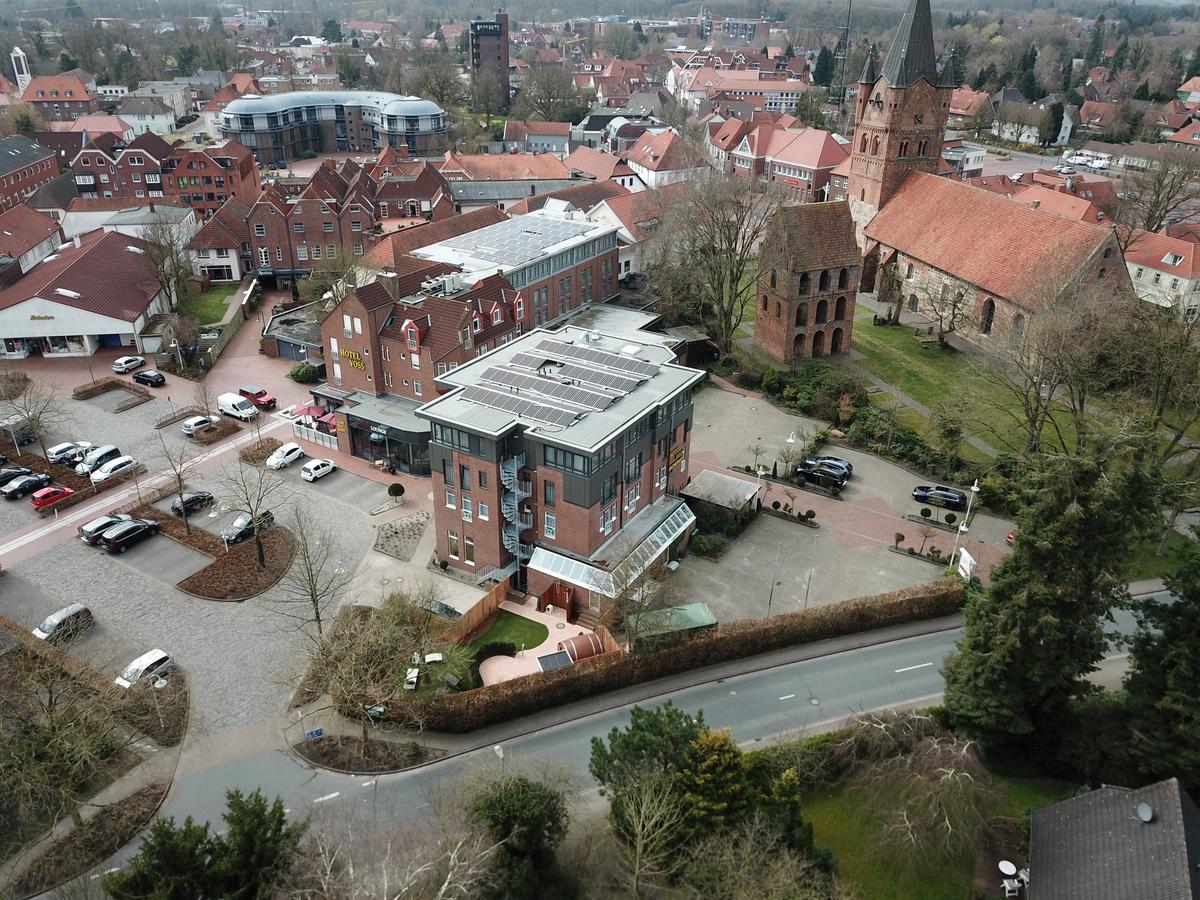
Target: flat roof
720, 489
386, 103
575, 387
390, 410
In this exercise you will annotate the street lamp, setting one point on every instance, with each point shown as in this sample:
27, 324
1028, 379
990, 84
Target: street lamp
962, 528
792, 438
178, 353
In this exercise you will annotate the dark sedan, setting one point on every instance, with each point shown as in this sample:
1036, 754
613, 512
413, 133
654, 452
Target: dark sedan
92, 531
822, 473
151, 377
190, 503
940, 495
243, 530
8, 473
121, 537
25, 484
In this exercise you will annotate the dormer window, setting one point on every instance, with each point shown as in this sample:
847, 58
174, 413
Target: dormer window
497, 316
412, 337
1172, 259
477, 324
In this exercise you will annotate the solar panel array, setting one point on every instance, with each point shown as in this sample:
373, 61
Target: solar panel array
519, 240
622, 384
582, 397
519, 406
604, 358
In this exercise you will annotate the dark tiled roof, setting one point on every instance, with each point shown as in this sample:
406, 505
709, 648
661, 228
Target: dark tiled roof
912, 56
1096, 847
57, 193
817, 235
583, 196
18, 151
226, 229
22, 228
152, 144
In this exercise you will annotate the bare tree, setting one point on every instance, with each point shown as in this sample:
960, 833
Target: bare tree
548, 93
179, 465
333, 279
251, 490
946, 304
439, 82
168, 260
1165, 190
652, 816
202, 397
646, 592
487, 95
40, 406
621, 41
317, 577
707, 247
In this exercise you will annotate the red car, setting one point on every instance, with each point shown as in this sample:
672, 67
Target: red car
1010, 537
258, 397
46, 496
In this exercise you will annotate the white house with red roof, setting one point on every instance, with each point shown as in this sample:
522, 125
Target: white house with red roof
98, 290
663, 158
637, 217
1165, 271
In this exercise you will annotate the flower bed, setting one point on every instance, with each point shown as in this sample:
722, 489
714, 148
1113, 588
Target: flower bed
257, 453
235, 575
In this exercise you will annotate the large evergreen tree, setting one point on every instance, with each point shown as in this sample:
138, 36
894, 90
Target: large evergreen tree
1039, 629
823, 68
173, 863
1164, 671
715, 790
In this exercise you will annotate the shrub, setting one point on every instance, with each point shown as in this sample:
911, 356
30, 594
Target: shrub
951, 518
810, 514
305, 373
395, 490
306, 154
817, 388
775, 505
708, 544
898, 538
813, 759
926, 512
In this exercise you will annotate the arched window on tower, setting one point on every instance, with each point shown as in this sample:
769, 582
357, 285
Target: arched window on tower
804, 284
801, 314
903, 149
778, 309
862, 145
843, 279
875, 145
922, 146
764, 302
823, 284
772, 278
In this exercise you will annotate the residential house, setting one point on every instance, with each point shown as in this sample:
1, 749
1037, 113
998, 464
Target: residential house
26, 238
1098, 115
59, 97
660, 159
147, 114
1165, 271
537, 137
586, 162
220, 250
966, 105
637, 218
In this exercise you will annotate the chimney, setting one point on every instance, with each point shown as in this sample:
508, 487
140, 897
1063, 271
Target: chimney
75, 240
390, 282
151, 209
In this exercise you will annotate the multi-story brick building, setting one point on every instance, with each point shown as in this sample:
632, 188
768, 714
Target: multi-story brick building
808, 272
204, 178
556, 459
110, 168
558, 259
25, 165
59, 97
489, 51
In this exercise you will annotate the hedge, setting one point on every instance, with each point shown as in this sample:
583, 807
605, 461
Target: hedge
470, 710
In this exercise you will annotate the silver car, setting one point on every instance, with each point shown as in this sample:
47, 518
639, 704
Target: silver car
196, 424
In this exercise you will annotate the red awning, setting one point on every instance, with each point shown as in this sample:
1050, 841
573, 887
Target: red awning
308, 409
329, 419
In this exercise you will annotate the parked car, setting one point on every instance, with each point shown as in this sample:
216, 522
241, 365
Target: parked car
93, 530
18, 430
25, 484
832, 462
285, 455
1077, 160
9, 473
151, 667
940, 495
64, 625
258, 397
123, 364
190, 503
151, 377
196, 424
237, 406
317, 468
96, 457
121, 537
49, 495
68, 453
1011, 537
114, 468
243, 530
816, 472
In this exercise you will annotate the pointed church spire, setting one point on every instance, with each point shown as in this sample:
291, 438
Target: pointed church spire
868, 73
911, 56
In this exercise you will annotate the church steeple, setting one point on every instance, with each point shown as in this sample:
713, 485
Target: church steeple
868, 73
912, 56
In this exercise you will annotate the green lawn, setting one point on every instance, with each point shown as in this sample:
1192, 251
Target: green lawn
209, 308
1146, 563
512, 629
840, 824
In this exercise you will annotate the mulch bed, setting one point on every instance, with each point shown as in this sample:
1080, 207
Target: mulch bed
401, 537
257, 453
101, 836
349, 754
104, 385
223, 429
64, 475
235, 575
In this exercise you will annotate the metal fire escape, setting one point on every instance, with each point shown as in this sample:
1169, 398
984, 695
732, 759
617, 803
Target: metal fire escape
514, 520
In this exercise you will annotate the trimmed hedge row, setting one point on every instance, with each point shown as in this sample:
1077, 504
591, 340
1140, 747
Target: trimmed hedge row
470, 710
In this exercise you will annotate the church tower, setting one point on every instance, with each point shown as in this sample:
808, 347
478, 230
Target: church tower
21, 69
899, 116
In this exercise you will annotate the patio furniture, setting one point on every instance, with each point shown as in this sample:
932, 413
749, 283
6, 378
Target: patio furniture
410, 679
433, 657
1007, 868
450, 679
1012, 887
416, 657
1023, 877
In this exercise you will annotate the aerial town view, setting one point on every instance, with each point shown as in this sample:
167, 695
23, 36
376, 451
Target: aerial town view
678, 450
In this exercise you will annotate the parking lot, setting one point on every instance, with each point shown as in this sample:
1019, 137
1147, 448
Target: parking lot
790, 566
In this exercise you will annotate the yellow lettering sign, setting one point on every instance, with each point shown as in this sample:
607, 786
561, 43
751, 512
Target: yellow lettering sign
353, 357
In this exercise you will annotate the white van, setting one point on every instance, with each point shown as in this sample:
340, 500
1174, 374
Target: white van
237, 406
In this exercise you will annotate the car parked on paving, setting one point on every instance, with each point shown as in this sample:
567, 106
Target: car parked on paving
122, 465
9, 473
49, 495
64, 625
95, 458
285, 455
68, 453
1011, 537
151, 667
258, 397
196, 424
317, 468
940, 495
25, 484
151, 377
835, 462
121, 537
123, 364
190, 503
241, 528
93, 530
820, 473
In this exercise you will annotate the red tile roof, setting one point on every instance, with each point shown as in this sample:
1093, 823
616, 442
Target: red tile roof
101, 276
22, 228
997, 184
227, 227
662, 152
984, 239
502, 166
582, 196
641, 209
48, 84
811, 148
518, 130
392, 246
1098, 114
1156, 251
1188, 135
1059, 202
595, 163
966, 102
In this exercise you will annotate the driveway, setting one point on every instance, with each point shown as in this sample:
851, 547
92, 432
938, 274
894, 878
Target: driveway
848, 556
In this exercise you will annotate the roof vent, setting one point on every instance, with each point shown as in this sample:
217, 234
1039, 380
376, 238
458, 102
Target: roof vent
52, 256
1145, 813
138, 250
74, 295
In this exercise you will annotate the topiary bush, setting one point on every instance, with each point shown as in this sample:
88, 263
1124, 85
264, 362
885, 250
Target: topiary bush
305, 373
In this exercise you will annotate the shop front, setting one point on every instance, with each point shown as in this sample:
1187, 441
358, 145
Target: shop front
383, 430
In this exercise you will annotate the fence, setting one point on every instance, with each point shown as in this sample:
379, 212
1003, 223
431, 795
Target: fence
228, 330
311, 434
479, 613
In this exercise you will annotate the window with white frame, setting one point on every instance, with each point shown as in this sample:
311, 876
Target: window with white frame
633, 495
550, 526
417, 388
357, 325
497, 316
484, 512
608, 519
466, 509
302, 251
260, 230
452, 544
451, 500
468, 550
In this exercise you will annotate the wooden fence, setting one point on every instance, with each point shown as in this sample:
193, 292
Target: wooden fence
487, 606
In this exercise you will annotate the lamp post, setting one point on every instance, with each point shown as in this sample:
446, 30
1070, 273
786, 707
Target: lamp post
962, 528
791, 438
178, 353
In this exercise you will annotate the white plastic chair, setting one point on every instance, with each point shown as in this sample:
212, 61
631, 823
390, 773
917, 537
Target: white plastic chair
1023, 877
1012, 887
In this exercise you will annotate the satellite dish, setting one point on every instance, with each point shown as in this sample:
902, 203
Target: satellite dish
1145, 813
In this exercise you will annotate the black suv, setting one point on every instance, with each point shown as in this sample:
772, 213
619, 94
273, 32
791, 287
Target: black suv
190, 503
940, 495
815, 472
121, 537
25, 484
243, 530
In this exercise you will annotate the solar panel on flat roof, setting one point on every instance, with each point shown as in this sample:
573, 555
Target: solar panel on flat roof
567, 393
604, 358
528, 360
519, 406
613, 381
